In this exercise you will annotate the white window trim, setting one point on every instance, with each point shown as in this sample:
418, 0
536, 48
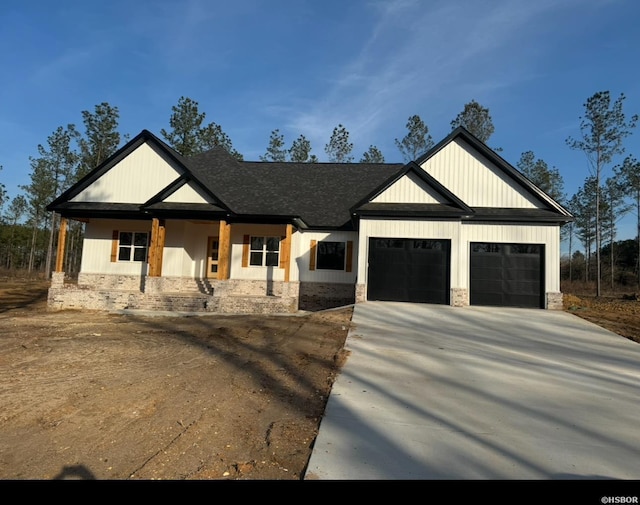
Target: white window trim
132, 247
264, 250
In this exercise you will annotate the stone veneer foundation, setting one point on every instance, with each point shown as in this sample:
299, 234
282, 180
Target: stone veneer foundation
234, 296
555, 301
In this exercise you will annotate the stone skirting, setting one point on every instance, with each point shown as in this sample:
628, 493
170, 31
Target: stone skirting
325, 295
248, 287
459, 297
234, 296
125, 292
555, 301
110, 282
80, 297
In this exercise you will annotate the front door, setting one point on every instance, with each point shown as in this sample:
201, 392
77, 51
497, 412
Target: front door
212, 257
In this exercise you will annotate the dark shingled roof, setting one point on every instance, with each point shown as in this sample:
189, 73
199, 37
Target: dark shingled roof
321, 194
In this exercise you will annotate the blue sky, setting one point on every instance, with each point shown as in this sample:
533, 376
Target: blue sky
305, 66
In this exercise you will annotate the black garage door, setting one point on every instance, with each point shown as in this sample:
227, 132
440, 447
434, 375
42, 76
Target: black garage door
507, 275
409, 270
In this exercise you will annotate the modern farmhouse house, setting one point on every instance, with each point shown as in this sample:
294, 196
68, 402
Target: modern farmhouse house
458, 226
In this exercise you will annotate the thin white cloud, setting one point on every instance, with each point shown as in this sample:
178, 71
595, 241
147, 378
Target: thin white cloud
418, 52
64, 66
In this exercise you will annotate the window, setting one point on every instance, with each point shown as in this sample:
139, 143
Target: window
525, 249
486, 248
328, 255
331, 255
264, 251
390, 243
427, 245
133, 246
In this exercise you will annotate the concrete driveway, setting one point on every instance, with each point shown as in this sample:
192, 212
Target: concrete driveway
437, 392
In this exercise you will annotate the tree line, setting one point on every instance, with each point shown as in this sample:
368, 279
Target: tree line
28, 233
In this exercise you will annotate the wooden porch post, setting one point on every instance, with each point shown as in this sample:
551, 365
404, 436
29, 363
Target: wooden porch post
285, 261
62, 238
156, 247
224, 252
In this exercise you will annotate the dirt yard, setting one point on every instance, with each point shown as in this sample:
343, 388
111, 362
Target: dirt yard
100, 396
106, 396
620, 314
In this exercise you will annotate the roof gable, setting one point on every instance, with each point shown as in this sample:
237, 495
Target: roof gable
476, 180
133, 179
189, 192
143, 170
480, 177
412, 190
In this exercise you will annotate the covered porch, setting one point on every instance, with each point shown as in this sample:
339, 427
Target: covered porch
229, 267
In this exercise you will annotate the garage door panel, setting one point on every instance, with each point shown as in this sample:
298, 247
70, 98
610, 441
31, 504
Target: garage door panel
518, 300
485, 273
506, 274
414, 270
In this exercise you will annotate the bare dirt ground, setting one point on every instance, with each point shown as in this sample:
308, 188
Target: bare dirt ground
107, 396
127, 397
620, 314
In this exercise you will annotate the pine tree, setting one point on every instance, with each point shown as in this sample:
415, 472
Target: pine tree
101, 138
613, 207
603, 129
300, 151
189, 137
275, 150
372, 155
417, 141
52, 172
476, 120
582, 206
339, 148
629, 175
212, 136
537, 171
3, 193
16, 210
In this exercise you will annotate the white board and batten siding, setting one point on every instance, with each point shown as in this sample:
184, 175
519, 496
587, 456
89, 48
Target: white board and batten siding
185, 248
188, 193
475, 180
299, 258
302, 256
96, 249
135, 179
184, 253
408, 189
238, 231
